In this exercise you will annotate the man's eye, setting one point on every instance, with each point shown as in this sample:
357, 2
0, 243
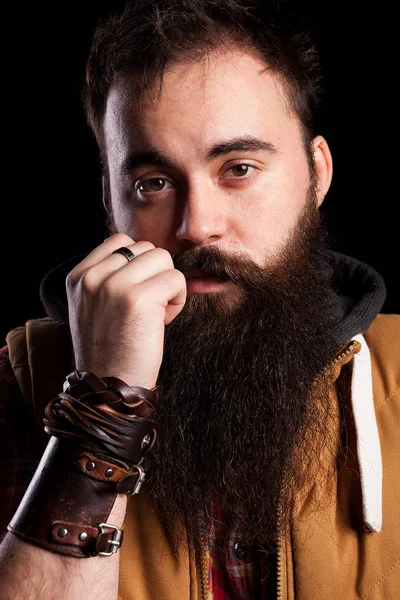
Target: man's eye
155, 184
241, 169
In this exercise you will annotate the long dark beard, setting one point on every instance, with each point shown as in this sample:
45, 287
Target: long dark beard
236, 419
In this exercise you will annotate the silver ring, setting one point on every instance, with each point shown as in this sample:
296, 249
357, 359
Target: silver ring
125, 252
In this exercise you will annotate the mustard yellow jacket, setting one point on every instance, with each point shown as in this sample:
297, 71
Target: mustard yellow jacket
348, 549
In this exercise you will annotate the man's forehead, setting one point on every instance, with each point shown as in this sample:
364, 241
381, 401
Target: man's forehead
216, 71
224, 97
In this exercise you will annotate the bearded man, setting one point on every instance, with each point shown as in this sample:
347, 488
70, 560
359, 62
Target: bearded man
224, 369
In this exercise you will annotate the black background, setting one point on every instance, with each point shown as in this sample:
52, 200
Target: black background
51, 208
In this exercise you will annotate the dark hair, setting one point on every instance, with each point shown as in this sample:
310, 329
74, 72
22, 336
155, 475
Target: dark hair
147, 36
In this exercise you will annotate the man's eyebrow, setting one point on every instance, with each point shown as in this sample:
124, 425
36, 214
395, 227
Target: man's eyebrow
145, 157
152, 156
240, 144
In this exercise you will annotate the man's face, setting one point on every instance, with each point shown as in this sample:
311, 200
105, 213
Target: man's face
217, 159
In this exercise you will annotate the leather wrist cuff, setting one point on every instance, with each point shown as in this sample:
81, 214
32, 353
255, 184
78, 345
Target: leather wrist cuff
67, 503
69, 499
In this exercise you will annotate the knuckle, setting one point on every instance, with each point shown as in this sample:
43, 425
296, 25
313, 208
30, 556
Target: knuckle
88, 280
178, 276
164, 254
122, 239
137, 301
147, 246
108, 287
171, 277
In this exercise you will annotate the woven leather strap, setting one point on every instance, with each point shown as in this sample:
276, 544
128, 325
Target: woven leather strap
116, 393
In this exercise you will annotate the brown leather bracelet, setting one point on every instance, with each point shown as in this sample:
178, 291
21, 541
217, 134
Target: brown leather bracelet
67, 503
116, 393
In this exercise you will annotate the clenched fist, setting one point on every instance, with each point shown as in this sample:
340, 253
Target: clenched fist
118, 309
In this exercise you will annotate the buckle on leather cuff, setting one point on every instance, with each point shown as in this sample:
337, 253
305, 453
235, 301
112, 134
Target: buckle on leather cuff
115, 541
131, 483
139, 481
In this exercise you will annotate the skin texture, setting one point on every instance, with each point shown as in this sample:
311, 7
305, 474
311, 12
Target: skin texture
206, 201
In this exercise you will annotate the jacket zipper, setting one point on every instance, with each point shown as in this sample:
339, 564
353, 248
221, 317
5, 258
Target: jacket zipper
279, 555
279, 560
205, 592
347, 350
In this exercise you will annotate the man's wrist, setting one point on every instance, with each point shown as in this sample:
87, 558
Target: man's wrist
118, 511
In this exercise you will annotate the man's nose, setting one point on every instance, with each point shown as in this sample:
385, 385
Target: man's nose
202, 219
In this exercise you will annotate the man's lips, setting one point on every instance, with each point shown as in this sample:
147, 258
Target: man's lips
200, 282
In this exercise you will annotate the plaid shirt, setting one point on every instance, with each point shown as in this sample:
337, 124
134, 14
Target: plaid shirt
234, 571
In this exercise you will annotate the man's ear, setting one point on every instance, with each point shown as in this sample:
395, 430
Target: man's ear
323, 166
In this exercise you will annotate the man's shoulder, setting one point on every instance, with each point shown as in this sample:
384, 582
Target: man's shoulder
38, 339
40, 356
385, 328
383, 339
